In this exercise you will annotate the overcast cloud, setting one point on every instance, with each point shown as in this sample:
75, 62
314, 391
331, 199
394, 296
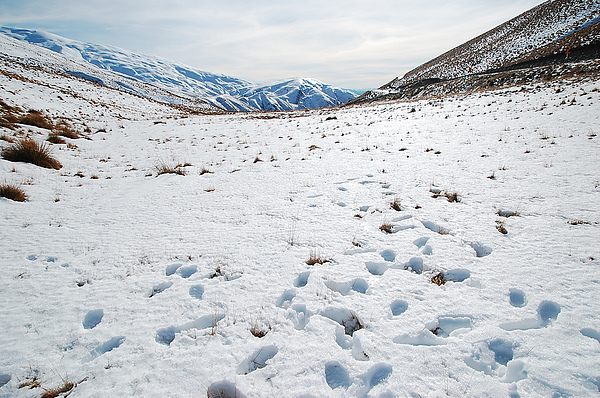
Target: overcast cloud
351, 44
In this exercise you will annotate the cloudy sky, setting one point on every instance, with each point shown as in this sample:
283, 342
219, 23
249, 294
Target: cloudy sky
347, 43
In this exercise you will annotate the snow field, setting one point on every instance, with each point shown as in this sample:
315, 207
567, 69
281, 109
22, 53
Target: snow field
137, 284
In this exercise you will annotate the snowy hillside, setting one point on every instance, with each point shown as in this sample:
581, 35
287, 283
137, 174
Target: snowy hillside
433, 248
221, 91
538, 37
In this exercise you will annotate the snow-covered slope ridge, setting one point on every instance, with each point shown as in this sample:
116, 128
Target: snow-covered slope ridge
222, 91
515, 41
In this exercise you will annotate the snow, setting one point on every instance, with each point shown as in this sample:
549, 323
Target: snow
177, 80
137, 284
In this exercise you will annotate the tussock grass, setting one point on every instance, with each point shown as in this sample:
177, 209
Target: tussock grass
396, 205
439, 279
13, 193
29, 151
55, 392
64, 129
37, 119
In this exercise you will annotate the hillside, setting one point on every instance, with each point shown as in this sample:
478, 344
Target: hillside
538, 38
177, 81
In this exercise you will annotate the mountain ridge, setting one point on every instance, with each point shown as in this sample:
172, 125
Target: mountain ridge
221, 91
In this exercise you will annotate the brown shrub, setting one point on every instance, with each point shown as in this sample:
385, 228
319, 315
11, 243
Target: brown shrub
12, 192
64, 129
29, 151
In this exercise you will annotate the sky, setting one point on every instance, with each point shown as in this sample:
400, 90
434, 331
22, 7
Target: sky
350, 44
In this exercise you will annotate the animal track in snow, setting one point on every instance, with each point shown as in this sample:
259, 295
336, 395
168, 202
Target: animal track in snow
344, 317
197, 291
458, 275
4, 378
420, 242
171, 269
336, 375
376, 375
430, 225
591, 333
488, 355
388, 255
302, 279
398, 307
286, 298
299, 316
344, 288
187, 271
258, 360
107, 346
415, 265
437, 332
376, 268
167, 335
546, 312
517, 297
161, 287
480, 249
92, 319
223, 389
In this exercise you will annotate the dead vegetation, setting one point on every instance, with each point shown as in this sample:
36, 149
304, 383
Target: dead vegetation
165, 168
316, 258
29, 151
386, 227
12, 192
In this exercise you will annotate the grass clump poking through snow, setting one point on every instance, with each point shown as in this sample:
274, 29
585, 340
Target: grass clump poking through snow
396, 205
29, 151
64, 129
164, 168
35, 118
439, 279
315, 258
12, 192
55, 392
386, 227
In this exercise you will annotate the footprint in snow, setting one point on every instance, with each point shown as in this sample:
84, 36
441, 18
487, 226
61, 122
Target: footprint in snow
286, 298
32, 257
344, 288
348, 319
302, 279
336, 375
187, 271
547, 311
376, 375
517, 298
398, 307
376, 268
167, 335
388, 255
299, 316
197, 291
437, 332
591, 333
223, 389
92, 319
161, 287
105, 347
480, 249
258, 360
4, 378
487, 356
171, 269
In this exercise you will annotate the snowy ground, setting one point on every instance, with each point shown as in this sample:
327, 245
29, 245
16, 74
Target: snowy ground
129, 284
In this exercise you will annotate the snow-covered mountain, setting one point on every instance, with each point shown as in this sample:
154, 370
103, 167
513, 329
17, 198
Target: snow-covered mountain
222, 91
539, 36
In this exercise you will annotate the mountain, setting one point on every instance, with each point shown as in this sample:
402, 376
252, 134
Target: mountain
221, 91
538, 37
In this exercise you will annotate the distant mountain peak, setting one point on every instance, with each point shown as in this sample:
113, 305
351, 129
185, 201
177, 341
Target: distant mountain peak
225, 92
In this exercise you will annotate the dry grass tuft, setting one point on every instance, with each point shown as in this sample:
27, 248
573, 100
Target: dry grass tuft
163, 168
29, 151
439, 279
37, 119
501, 228
55, 392
6, 138
386, 227
64, 129
315, 258
396, 205
12, 192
